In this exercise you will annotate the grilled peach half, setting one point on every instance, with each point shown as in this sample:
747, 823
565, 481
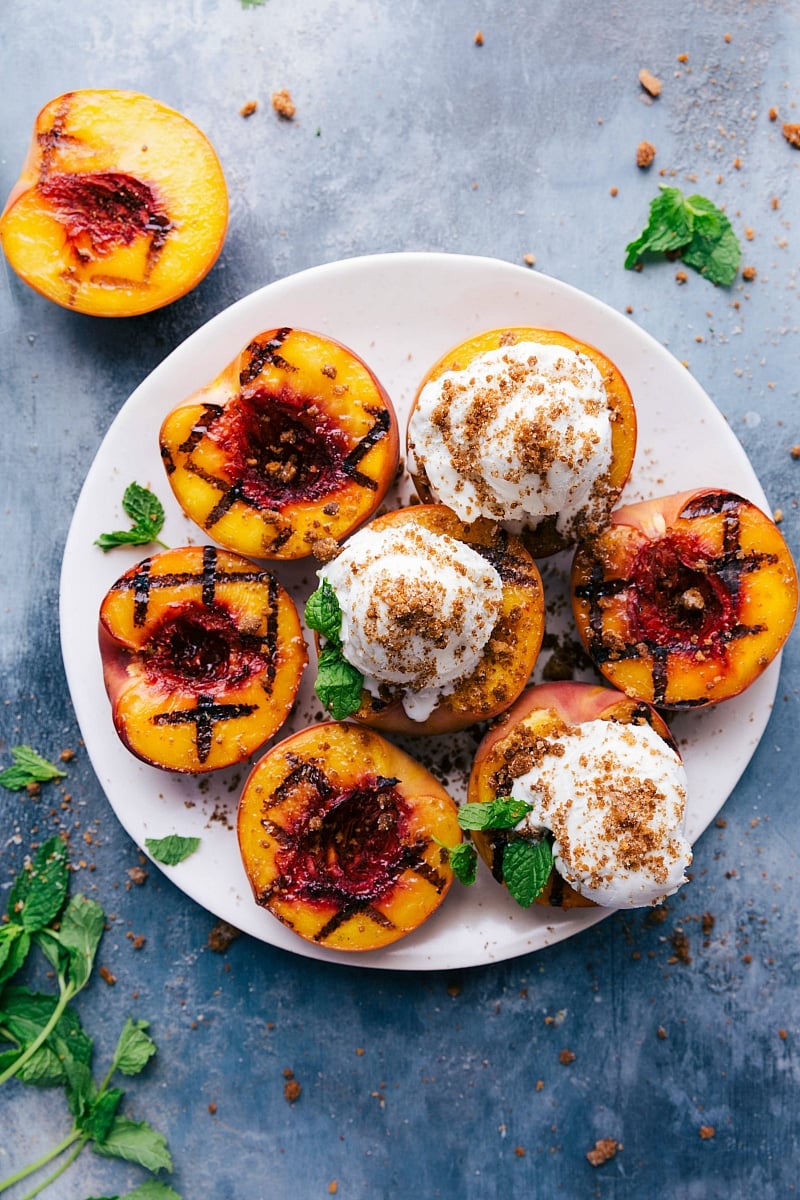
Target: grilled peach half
510, 749
293, 445
685, 599
513, 647
342, 837
121, 206
543, 538
202, 656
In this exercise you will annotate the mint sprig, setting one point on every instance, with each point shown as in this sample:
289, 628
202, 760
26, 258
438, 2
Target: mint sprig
339, 684
28, 767
147, 516
692, 228
526, 861
42, 1041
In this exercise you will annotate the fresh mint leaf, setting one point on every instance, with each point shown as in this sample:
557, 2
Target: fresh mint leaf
98, 1120
464, 861
338, 684
172, 849
39, 891
28, 767
323, 613
147, 515
136, 1142
693, 228
15, 942
526, 869
134, 1049
504, 812
81, 928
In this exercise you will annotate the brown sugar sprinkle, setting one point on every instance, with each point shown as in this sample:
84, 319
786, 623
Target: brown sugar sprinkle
221, 937
479, 38
137, 875
212, 1108
681, 277
749, 273
645, 153
651, 84
603, 1150
706, 1132
529, 260
519, 1151
283, 104
67, 756
566, 1057
773, 114
792, 134
107, 976
248, 109
795, 451
613, 191
291, 1088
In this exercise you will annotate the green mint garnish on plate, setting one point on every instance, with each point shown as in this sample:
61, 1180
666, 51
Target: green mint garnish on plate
147, 519
693, 229
339, 683
172, 849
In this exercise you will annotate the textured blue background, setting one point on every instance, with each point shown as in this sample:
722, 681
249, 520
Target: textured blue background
410, 136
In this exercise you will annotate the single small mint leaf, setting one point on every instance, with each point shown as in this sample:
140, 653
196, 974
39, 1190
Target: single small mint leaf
323, 613
15, 942
40, 891
81, 928
464, 861
100, 1115
136, 1142
143, 507
716, 253
134, 1049
526, 869
147, 514
172, 849
504, 812
338, 684
28, 767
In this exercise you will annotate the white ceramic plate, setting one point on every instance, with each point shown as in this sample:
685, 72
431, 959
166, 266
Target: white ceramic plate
400, 312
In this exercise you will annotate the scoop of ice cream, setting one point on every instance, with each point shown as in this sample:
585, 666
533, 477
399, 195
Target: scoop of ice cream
614, 798
418, 608
522, 433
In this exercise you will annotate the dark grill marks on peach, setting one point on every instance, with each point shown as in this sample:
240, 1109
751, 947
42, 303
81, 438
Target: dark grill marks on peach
346, 847
301, 449
684, 600
197, 648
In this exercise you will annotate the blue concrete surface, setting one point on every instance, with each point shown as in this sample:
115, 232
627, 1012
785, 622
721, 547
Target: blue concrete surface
409, 135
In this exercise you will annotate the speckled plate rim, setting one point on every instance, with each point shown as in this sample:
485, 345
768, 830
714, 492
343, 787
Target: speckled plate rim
400, 312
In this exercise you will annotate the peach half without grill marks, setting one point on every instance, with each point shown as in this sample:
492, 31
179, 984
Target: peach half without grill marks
292, 446
342, 835
121, 206
684, 600
202, 656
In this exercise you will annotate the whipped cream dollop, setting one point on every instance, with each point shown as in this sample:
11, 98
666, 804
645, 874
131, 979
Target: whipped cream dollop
614, 798
522, 433
418, 609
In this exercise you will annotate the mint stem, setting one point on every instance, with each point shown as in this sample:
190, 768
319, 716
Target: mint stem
24, 1172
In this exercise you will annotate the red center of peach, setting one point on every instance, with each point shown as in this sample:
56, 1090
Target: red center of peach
107, 208
354, 850
676, 594
199, 649
280, 449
